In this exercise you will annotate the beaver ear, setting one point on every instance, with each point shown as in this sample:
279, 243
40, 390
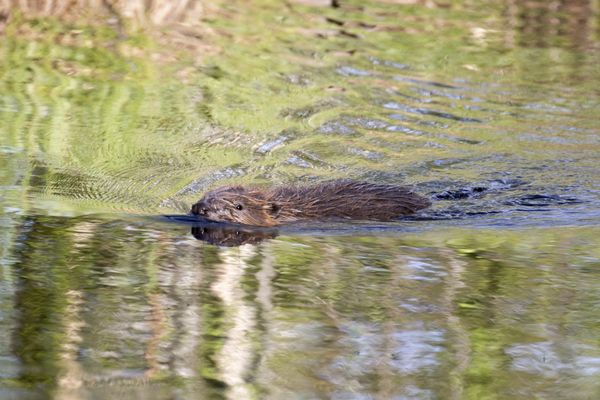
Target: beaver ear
272, 209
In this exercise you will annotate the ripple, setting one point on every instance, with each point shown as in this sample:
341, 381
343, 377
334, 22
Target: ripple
424, 82
336, 127
543, 200
416, 350
426, 111
271, 145
351, 71
544, 358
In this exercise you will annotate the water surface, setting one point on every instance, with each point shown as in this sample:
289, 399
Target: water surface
107, 125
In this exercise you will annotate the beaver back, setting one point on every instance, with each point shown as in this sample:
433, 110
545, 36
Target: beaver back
346, 199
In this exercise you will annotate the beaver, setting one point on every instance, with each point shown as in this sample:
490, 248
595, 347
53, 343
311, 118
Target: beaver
342, 199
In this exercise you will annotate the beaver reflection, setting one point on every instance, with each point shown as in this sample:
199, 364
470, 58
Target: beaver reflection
231, 235
340, 199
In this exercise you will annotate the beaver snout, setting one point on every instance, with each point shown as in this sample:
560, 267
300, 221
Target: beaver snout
200, 208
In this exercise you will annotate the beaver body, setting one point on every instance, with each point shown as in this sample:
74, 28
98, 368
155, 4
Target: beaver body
284, 204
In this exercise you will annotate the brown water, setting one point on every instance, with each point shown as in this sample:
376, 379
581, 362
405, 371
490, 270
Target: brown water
107, 125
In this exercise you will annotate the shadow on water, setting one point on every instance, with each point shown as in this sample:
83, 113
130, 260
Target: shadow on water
221, 234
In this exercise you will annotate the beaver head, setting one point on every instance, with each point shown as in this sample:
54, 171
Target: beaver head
238, 205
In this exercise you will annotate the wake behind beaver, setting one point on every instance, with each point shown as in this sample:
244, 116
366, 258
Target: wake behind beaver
278, 205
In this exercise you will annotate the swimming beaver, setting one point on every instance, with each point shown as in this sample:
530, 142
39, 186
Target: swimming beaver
333, 199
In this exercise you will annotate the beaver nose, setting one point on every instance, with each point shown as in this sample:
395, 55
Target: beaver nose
200, 209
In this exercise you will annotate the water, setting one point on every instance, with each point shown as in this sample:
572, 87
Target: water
110, 129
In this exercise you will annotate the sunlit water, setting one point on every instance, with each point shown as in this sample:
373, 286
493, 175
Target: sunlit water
109, 132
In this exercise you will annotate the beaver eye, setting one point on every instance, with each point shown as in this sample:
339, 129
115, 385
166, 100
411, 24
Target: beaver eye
239, 207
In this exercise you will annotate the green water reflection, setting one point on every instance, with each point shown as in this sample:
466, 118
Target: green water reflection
107, 121
95, 307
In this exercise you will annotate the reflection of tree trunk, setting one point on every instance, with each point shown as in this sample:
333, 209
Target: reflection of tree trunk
456, 334
235, 359
461, 345
186, 280
265, 277
578, 13
540, 22
388, 383
39, 338
71, 380
512, 16
596, 19
157, 320
159, 12
266, 315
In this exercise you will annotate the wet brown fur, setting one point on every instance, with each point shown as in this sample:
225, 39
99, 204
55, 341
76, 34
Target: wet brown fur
283, 204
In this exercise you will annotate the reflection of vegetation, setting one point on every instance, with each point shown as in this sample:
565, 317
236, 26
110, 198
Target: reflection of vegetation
39, 335
149, 298
99, 115
101, 122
